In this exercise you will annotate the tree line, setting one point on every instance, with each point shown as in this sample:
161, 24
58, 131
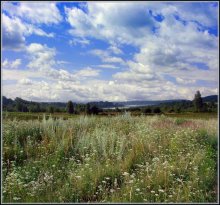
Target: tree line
197, 105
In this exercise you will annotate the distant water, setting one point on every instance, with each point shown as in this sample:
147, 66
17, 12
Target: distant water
128, 106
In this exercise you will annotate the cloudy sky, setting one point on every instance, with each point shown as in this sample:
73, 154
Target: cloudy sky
109, 51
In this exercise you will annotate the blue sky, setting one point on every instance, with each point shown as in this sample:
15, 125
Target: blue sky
115, 51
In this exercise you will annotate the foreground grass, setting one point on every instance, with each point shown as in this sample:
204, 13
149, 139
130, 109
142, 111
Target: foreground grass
110, 159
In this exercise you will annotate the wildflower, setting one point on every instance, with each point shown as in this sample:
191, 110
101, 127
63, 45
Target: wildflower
132, 176
161, 190
115, 182
16, 198
112, 190
125, 174
153, 192
78, 177
138, 189
131, 181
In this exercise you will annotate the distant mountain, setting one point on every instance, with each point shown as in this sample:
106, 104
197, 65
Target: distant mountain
148, 102
210, 98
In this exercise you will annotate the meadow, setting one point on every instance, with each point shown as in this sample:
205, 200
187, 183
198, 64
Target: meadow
122, 158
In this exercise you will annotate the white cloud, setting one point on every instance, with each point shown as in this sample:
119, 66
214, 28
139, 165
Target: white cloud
14, 32
19, 74
34, 12
106, 57
42, 57
25, 81
87, 72
110, 21
185, 81
107, 66
171, 47
114, 49
11, 65
76, 41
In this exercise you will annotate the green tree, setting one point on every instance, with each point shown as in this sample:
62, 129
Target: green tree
19, 106
70, 109
38, 107
198, 103
51, 109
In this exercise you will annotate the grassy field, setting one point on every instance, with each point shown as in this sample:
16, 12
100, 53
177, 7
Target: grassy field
122, 158
65, 116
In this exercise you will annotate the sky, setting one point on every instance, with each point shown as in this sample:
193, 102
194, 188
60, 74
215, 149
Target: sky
109, 51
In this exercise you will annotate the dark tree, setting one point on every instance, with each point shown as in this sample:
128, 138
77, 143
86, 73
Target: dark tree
70, 109
94, 110
57, 109
157, 110
25, 109
117, 109
38, 107
19, 106
198, 103
87, 109
147, 110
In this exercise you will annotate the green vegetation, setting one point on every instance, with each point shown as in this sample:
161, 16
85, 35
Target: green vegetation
109, 159
199, 104
70, 108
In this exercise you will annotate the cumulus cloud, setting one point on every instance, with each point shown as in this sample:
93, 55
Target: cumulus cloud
176, 46
114, 49
87, 72
106, 57
11, 65
110, 21
14, 32
17, 75
42, 57
184, 81
34, 12
25, 81
23, 19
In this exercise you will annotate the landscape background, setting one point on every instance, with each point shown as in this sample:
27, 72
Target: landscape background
110, 102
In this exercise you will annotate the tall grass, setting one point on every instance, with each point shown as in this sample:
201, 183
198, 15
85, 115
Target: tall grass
110, 159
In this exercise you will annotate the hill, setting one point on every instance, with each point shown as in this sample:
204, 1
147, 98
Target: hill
210, 98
